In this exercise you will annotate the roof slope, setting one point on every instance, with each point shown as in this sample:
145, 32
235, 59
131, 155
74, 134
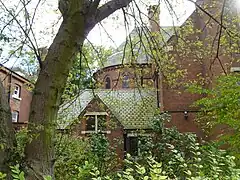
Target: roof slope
138, 41
134, 108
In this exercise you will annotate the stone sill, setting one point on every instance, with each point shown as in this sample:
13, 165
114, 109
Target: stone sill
91, 132
17, 98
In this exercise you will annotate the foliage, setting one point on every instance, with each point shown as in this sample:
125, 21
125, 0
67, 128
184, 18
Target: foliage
168, 154
135, 171
80, 76
2, 175
81, 73
70, 155
17, 174
77, 157
220, 110
183, 157
153, 170
23, 137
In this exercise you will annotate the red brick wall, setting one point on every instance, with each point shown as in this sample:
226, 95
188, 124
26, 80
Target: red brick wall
174, 100
116, 74
113, 125
21, 105
183, 124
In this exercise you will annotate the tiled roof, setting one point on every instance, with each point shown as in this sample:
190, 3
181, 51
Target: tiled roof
138, 36
133, 108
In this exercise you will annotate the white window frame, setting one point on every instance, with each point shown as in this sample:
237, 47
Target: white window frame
16, 118
168, 48
235, 69
96, 114
17, 95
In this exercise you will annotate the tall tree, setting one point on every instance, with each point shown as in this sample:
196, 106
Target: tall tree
79, 18
7, 139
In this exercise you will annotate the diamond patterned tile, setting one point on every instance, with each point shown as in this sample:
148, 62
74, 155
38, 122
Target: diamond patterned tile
133, 107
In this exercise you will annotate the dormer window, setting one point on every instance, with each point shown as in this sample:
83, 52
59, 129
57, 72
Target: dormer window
107, 83
16, 91
125, 81
96, 123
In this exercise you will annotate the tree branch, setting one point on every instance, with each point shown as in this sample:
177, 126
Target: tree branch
109, 8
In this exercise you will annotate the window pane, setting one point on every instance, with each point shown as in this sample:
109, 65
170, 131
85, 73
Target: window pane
16, 91
15, 115
125, 82
133, 146
101, 123
108, 83
90, 123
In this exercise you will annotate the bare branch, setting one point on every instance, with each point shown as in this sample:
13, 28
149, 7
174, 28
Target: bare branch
109, 8
26, 33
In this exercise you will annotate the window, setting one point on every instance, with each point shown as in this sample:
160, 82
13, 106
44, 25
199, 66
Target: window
133, 146
17, 91
134, 142
90, 123
108, 83
15, 116
125, 82
235, 69
168, 48
96, 122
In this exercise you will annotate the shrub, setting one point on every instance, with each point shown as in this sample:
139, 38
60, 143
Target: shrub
77, 157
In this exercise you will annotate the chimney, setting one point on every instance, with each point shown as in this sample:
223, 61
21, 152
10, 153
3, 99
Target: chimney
153, 16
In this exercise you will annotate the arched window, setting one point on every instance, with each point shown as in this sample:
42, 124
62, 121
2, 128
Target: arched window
107, 83
125, 81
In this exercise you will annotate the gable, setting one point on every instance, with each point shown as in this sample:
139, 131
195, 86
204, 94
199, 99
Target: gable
133, 108
95, 105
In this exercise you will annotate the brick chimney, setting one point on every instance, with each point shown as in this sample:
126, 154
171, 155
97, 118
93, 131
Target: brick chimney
153, 16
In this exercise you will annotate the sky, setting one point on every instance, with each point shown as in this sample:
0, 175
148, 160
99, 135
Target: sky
114, 24
116, 28
111, 32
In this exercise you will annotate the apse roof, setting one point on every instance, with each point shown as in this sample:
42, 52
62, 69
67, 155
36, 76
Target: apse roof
133, 108
138, 35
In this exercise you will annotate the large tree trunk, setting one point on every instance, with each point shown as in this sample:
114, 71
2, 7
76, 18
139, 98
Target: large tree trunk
78, 20
7, 138
47, 94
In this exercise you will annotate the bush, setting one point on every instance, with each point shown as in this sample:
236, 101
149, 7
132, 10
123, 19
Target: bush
183, 157
77, 157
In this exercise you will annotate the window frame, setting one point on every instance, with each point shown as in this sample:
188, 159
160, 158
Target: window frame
108, 82
132, 135
17, 116
235, 69
125, 82
95, 114
18, 94
133, 141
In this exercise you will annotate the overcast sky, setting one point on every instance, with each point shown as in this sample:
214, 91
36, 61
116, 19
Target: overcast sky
116, 28
114, 25
112, 30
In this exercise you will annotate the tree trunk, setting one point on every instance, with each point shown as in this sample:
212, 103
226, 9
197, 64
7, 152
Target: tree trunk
47, 94
48, 91
7, 138
78, 19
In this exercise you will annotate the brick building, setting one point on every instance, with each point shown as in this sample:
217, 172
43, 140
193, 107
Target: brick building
130, 89
19, 93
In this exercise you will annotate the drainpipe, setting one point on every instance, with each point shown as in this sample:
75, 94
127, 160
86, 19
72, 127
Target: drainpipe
9, 87
157, 86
